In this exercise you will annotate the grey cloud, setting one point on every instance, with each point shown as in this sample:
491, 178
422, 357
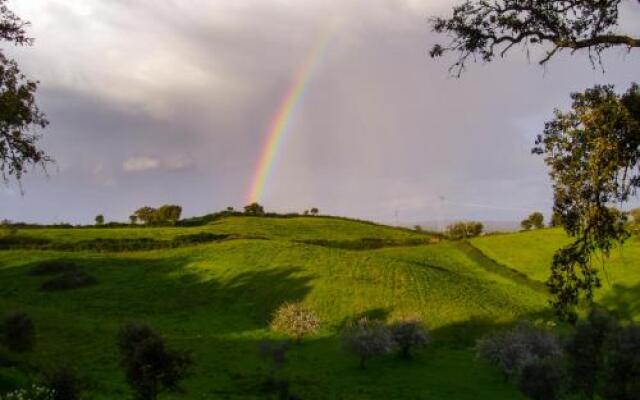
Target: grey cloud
183, 93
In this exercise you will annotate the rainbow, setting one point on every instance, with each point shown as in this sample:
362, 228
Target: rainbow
282, 118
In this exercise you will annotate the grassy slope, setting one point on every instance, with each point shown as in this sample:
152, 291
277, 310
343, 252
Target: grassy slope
216, 300
299, 228
531, 253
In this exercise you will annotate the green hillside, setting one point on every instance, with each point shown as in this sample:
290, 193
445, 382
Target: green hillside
216, 300
531, 253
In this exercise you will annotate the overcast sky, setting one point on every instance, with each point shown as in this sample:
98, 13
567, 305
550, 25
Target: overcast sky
169, 101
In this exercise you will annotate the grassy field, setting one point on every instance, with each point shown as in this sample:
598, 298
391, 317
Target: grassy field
216, 300
531, 253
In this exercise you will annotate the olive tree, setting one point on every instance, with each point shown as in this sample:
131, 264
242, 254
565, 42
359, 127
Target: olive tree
367, 338
295, 319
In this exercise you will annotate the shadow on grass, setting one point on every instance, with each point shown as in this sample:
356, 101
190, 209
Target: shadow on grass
166, 289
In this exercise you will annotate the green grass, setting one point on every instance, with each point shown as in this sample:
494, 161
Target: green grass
531, 253
216, 300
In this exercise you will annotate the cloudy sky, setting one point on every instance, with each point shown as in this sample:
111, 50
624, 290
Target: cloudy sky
169, 101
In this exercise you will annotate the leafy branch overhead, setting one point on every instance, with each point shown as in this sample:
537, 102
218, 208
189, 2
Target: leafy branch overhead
484, 29
19, 115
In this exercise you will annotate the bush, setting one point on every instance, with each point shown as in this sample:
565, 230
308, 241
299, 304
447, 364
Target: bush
295, 319
65, 384
622, 367
585, 351
53, 267
409, 333
35, 392
18, 332
254, 209
542, 379
367, 338
511, 350
464, 230
68, 281
149, 366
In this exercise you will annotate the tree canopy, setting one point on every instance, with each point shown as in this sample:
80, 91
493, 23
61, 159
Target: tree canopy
19, 115
593, 152
484, 29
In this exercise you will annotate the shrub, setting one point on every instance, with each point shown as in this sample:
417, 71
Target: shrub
99, 219
18, 332
622, 367
367, 338
295, 319
542, 379
511, 350
53, 267
464, 229
585, 351
534, 220
409, 333
254, 209
150, 367
65, 384
34, 392
68, 281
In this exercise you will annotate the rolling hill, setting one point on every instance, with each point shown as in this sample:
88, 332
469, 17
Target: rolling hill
215, 299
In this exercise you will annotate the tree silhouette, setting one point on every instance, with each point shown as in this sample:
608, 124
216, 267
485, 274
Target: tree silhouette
484, 29
19, 115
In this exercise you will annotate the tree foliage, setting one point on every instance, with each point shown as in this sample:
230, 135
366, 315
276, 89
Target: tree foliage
464, 229
592, 152
533, 221
254, 209
585, 350
367, 338
150, 367
18, 332
513, 349
542, 379
99, 219
409, 333
484, 29
295, 319
19, 115
167, 214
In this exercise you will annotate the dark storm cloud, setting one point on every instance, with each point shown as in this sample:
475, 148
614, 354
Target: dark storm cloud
166, 101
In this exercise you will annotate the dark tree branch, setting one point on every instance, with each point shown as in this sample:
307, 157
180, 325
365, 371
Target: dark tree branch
480, 29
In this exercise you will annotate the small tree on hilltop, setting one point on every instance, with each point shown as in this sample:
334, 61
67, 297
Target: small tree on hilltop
254, 209
537, 220
295, 319
168, 214
464, 229
145, 214
314, 211
367, 338
149, 366
409, 333
525, 224
99, 219
133, 219
18, 332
